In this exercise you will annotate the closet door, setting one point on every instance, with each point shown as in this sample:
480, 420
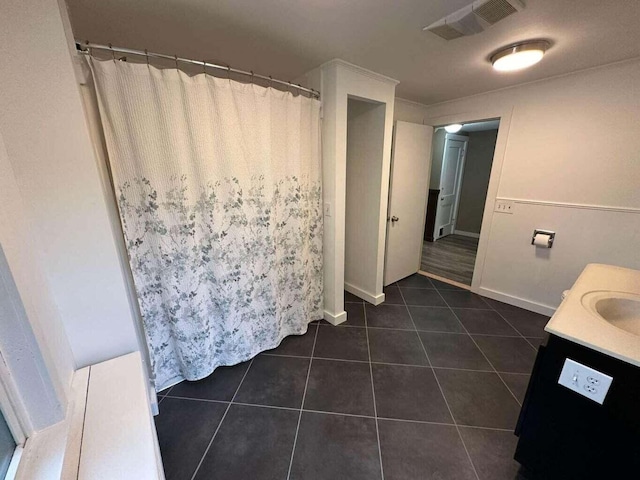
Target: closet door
455, 148
408, 188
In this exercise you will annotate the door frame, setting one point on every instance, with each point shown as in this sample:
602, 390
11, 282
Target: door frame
456, 203
504, 115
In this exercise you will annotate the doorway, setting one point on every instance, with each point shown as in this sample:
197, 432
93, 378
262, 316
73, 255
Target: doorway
459, 181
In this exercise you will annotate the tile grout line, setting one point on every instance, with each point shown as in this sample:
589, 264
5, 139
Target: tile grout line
304, 394
406, 420
509, 323
373, 391
455, 422
495, 370
221, 420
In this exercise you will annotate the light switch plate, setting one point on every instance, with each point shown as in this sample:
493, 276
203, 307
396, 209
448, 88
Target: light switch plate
504, 206
327, 209
585, 380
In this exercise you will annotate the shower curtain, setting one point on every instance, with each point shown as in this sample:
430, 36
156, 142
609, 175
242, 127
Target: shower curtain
218, 185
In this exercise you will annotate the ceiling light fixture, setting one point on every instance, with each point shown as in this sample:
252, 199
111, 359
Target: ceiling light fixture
453, 128
519, 56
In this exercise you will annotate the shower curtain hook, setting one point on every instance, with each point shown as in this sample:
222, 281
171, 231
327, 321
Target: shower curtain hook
270, 81
251, 79
204, 67
86, 42
175, 57
229, 73
146, 54
113, 54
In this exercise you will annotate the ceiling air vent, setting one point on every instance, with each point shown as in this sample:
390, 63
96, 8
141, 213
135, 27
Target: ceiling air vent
474, 18
493, 11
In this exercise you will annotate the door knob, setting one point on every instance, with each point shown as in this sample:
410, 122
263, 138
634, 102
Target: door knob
394, 219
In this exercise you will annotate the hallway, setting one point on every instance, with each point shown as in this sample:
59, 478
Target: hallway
452, 257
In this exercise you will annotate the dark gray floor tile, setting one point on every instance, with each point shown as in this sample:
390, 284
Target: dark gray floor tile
277, 381
396, 346
185, 428
336, 446
536, 342
389, 316
416, 281
478, 398
529, 324
435, 319
517, 383
446, 286
501, 306
417, 451
355, 315
507, 354
492, 453
253, 442
409, 393
484, 321
164, 391
220, 385
351, 298
299, 345
422, 297
344, 343
341, 387
392, 296
453, 350
463, 299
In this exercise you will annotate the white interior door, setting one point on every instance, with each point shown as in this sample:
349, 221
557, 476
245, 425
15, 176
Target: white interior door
455, 148
408, 188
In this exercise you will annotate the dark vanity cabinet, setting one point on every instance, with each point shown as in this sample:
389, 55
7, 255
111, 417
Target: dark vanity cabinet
563, 435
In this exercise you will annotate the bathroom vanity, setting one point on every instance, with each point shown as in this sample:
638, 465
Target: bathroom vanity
589, 428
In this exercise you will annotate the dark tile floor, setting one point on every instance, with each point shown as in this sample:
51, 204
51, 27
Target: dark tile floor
425, 386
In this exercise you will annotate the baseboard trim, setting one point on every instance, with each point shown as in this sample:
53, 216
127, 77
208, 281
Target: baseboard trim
518, 302
335, 319
466, 234
366, 296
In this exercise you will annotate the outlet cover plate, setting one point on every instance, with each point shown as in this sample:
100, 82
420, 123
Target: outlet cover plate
585, 380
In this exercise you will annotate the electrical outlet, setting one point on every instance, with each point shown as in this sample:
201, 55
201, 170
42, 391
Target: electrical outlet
585, 380
504, 206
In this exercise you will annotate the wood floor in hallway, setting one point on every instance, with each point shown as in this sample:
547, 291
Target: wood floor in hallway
451, 257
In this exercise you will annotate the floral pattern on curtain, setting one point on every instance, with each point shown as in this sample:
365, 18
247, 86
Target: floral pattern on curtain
218, 185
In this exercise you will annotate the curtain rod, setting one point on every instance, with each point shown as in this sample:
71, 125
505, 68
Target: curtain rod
86, 47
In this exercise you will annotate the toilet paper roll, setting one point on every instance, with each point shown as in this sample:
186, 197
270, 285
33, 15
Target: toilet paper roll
542, 240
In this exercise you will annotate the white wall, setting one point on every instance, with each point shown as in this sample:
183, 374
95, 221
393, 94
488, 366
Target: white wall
365, 136
338, 81
53, 163
571, 164
40, 393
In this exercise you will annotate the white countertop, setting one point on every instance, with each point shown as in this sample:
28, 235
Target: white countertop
577, 323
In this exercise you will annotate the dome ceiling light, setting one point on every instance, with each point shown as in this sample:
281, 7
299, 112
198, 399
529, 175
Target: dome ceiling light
519, 56
453, 128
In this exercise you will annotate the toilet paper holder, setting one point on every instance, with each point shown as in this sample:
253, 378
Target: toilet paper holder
552, 236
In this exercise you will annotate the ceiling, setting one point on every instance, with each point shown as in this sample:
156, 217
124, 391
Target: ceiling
287, 38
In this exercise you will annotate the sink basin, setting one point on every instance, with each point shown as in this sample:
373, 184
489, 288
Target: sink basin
620, 309
602, 312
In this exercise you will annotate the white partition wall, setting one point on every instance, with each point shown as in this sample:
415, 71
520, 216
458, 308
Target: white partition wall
339, 81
